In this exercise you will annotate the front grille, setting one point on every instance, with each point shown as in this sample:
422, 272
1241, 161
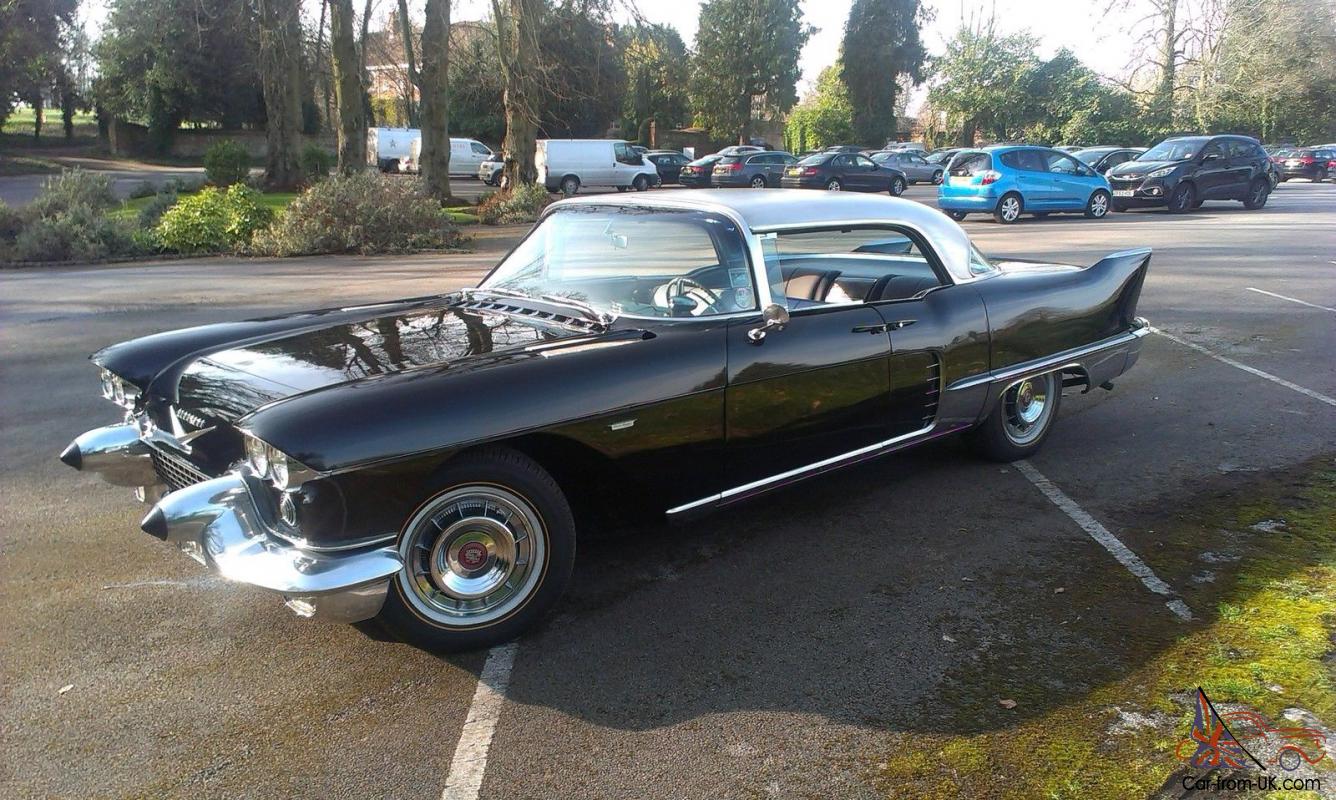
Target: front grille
176, 472
1124, 184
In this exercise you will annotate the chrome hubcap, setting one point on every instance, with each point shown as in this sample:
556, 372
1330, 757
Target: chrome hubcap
834, 186
1027, 406
472, 555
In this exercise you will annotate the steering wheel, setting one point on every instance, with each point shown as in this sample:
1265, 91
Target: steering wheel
682, 286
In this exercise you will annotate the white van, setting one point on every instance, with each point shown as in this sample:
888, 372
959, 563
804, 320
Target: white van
387, 148
466, 156
566, 165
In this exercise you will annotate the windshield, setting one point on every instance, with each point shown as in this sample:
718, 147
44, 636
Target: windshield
636, 261
1091, 155
1173, 150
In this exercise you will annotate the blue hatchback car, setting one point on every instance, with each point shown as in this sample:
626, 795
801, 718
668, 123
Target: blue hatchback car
1009, 180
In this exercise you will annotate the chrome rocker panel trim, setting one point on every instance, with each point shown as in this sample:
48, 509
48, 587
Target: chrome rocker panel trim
219, 524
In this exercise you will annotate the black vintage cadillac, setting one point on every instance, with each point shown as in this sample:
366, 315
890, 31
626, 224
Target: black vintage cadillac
425, 462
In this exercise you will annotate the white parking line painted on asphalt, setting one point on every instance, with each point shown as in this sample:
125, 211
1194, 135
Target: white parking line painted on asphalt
1291, 299
1250, 370
1106, 540
470, 762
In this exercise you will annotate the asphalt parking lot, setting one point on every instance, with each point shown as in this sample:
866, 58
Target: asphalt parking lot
827, 641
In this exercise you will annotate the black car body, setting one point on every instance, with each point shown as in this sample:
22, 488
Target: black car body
698, 174
427, 461
1182, 172
669, 164
1313, 163
1103, 158
754, 170
840, 171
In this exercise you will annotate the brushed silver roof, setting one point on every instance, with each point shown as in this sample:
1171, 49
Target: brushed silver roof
763, 210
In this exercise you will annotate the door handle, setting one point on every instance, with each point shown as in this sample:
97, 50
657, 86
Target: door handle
870, 329
900, 323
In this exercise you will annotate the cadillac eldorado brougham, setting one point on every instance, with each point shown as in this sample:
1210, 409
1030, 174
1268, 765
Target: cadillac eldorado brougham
427, 462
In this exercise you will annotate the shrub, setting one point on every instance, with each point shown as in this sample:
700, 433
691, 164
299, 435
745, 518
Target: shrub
361, 213
212, 221
523, 204
71, 188
151, 213
77, 234
316, 162
226, 163
11, 222
143, 189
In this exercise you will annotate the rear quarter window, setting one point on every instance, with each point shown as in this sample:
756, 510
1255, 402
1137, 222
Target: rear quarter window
967, 165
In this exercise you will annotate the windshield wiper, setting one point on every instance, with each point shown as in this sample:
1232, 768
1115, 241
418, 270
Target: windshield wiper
498, 292
602, 317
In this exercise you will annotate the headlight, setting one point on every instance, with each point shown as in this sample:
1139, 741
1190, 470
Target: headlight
118, 390
271, 464
1160, 173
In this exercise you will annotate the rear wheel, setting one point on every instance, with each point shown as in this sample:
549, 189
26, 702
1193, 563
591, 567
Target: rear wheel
1320, 176
1009, 208
640, 184
1182, 199
1019, 424
956, 215
834, 185
937, 177
1258, 192
758, 182
897, 186
570, 185
484, 556
1098, 204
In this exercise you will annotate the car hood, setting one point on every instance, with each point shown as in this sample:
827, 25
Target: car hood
1141, 167
232, 382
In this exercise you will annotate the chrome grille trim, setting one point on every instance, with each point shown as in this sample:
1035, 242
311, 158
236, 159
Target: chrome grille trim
174, 471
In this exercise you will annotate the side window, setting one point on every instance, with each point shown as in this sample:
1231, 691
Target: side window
1215, 149
1011, 158
864, 163
966, 165
623, 152
849, 265
979, 263
1240, 149
918, 160
1062, 164
480, 149
841, 162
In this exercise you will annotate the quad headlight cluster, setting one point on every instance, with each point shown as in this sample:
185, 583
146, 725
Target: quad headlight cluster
269, 463
118, 390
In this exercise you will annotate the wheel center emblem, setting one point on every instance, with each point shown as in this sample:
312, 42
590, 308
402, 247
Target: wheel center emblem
472, 555
1027, 396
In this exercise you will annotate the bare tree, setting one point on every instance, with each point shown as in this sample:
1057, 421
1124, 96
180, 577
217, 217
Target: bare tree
434, 85
348, 90
280, 74
517, 25
410, 61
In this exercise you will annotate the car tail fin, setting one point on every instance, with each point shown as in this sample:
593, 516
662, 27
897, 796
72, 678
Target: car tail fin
1127, 270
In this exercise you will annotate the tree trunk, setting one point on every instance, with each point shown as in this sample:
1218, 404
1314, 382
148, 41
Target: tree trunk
517, 46
414, 79
280, 75
35, 100
435, 158
349, 97
320, 59
1164, 92
68, 102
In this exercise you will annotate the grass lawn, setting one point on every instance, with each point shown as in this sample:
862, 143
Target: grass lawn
20, 122
275, 201
25, 165
1264, 598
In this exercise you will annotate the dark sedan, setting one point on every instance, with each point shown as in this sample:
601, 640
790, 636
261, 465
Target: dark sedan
755, 170
669, 164
1311, 163
1105, 157
849, 172
697, 174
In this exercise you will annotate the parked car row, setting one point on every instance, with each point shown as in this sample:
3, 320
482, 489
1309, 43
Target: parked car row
1313, 163
1179, 173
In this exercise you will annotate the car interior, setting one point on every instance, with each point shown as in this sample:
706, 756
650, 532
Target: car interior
857, 265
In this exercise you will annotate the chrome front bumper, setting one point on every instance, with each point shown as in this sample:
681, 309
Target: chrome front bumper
219, 524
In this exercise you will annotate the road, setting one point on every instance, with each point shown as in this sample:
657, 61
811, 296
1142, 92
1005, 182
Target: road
779, 649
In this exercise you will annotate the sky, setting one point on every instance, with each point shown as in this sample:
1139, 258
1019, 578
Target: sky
1079, 25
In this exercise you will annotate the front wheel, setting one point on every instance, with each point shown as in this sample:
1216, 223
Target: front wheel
937, 178
640, 184
1019, 424
485, 555
897, 187
758, 182
956, 215
834, 185
570, 185
1181, 201
1257, 194
1320, 176
1009, 208
1098, 205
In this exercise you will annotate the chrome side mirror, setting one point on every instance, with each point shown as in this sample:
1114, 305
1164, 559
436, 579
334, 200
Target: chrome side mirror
773, 317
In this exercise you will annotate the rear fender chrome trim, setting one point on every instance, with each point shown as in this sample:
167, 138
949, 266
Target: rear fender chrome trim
1067, 359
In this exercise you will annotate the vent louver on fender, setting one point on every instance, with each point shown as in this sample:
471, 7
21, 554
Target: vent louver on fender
532, 313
